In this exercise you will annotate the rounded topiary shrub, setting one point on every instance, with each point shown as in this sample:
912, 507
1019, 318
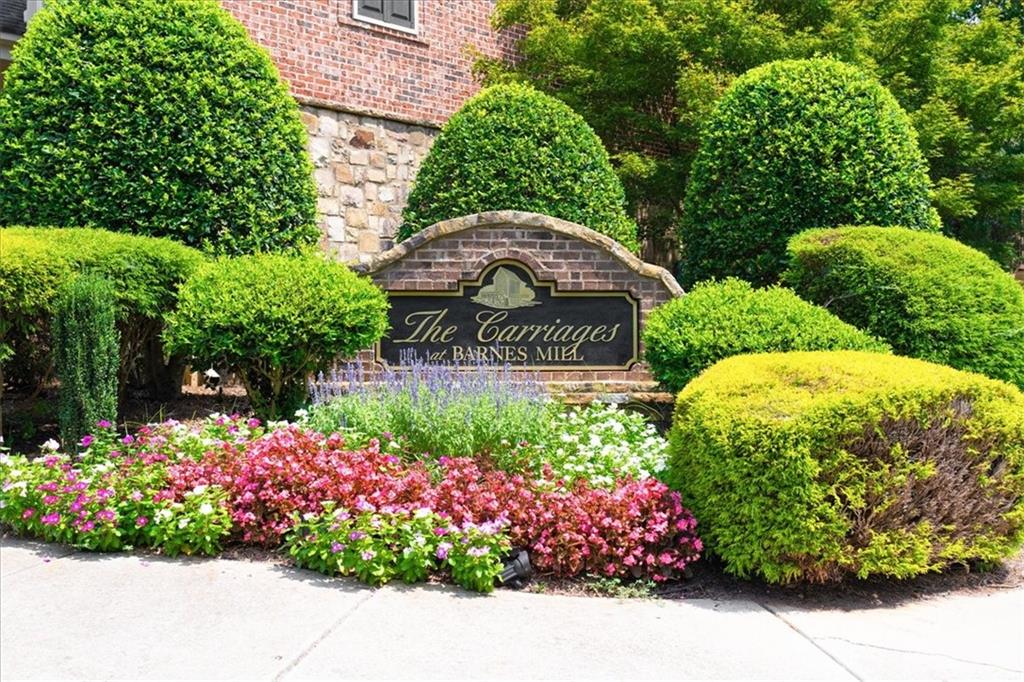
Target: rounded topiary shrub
929, 296
145, 272
794, 145
720, 319
274, 319
814, 466
157, 117
512, 147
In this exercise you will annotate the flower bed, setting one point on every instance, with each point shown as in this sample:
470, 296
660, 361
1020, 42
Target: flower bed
341, 510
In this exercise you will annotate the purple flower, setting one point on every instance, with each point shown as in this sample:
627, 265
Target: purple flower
478, 551
442, 550
86, 526
28, 513
106, 515
253, 423
356, 535
87, 441
50, 499
141, 521
337, 547
368, 555
128, 439
51, 519
103, 424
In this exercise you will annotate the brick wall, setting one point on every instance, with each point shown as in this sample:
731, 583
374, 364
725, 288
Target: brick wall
333, 60
574, 257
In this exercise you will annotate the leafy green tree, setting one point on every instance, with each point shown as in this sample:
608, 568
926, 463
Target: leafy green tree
646, 73
155, 117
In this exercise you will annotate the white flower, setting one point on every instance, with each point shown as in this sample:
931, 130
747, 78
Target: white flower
309, 516
206, 509
182, 523
163, 515
301, 414
199, 490
51, 445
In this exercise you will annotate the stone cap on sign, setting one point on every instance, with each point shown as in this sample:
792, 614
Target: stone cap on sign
521, 219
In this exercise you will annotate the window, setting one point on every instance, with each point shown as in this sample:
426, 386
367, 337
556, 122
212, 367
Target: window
397, 14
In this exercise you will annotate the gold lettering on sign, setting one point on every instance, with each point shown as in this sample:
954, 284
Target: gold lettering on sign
428, 329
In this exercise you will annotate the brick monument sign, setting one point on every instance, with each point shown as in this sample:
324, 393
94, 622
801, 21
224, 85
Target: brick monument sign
528, 290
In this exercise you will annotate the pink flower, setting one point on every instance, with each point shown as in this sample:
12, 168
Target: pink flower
103, 424
28, 513
128, 439
87, 441
50, 499
141, 521
368, 555
51, 519
106, 515
442, 550
337, 547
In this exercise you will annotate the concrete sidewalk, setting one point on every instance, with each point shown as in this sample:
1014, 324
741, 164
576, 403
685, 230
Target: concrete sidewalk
76, 615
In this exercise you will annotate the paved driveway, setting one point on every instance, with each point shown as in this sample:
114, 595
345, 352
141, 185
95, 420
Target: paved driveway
77, 615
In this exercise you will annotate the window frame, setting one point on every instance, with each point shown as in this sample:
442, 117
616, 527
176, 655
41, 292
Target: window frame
415, 30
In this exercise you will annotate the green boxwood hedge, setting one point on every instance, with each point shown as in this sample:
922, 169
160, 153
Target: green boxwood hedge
156, 117
929, 296
815, 466
275, 319
794, 145
512, 147
716, 320
145, 273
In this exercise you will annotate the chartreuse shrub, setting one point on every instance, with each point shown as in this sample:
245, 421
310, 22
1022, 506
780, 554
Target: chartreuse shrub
275, 319
85, 355
793, 145
716, 320
144, 272
818, 465
512, 147
927, 295
158, 117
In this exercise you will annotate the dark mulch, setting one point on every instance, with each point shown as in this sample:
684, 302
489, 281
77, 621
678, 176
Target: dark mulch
29, 421
710, 581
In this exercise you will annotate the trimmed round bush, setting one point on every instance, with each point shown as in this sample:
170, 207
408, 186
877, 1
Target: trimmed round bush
794, 145
512, 147
145, 273
929, 296
156, 117
720, 319
815, 466
275, 319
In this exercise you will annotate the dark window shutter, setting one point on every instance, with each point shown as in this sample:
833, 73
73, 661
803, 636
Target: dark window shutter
393, 12
372, 9
399, 13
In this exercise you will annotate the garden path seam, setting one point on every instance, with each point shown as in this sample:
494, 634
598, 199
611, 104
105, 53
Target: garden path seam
324, 635
810, 639
920, 653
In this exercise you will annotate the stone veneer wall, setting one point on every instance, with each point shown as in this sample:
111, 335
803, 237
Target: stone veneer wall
364, 167
574, 257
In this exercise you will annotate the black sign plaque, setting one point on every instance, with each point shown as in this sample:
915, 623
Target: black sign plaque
507, 316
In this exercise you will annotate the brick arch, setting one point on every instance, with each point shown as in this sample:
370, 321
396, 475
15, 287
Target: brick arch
540, 270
